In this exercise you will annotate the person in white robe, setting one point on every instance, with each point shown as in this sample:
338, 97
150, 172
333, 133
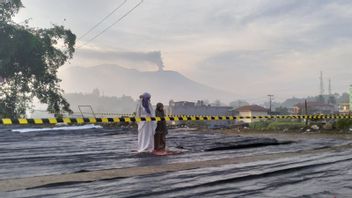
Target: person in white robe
146, 130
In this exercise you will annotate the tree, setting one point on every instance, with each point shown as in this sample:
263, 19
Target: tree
344, 98
217, 103
238, 103
332, 99
321, 99
102, 104
29, 60
281, 110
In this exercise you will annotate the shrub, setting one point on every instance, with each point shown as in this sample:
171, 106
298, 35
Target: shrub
343, 124
285, 125
259, 125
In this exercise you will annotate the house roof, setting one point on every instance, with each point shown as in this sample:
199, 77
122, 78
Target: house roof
252, 108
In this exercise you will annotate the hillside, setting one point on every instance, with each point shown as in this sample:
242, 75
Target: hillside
114, 80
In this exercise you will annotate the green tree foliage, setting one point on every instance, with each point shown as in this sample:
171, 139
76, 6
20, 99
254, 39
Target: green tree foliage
29, 60
321, 99
344, 98
343, 124
100, 103
282, 110
331, 100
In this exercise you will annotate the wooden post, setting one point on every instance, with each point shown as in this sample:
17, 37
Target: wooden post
306, 110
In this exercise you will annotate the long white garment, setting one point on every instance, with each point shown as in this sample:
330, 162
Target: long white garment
146, 130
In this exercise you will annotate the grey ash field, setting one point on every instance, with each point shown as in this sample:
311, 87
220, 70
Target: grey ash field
212, 164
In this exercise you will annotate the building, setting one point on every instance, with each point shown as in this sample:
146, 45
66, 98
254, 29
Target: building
344, 108
198, 108
251, 110
314, 108
293, 110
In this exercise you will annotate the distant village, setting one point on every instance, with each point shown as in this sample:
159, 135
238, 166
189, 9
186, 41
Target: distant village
306, 107
98, 105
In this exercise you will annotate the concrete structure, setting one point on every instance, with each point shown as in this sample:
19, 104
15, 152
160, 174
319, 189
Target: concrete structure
40, 114
251, 110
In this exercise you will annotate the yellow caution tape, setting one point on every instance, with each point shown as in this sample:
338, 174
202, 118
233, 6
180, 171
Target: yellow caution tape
24, 121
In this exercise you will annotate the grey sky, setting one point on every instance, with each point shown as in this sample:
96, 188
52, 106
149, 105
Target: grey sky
249, 47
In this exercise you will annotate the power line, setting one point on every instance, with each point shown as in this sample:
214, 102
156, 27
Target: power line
118, 20
101, 21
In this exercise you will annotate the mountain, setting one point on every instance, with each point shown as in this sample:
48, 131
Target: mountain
114, 80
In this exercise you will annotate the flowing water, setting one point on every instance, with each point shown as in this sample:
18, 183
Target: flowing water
314, 174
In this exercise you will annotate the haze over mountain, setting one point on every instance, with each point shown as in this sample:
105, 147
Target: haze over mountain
251, 48
114, 80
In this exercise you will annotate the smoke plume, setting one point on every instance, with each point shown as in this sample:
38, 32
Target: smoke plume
141, 58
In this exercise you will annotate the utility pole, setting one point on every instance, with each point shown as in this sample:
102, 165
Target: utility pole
331, 99
306, 110
270, 100
321, 96
321, 84
330, 92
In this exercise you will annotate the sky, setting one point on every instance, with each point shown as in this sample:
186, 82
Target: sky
251, 48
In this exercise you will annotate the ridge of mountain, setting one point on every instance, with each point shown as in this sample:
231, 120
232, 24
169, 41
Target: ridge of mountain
115, 80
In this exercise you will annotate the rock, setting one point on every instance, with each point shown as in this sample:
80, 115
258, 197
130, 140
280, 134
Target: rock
327, 126
315, 127
61, 124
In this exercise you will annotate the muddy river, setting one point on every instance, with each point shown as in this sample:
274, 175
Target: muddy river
210, 164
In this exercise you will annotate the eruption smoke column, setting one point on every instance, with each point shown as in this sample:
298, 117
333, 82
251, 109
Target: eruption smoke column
156, 58
153, 57
148, 58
